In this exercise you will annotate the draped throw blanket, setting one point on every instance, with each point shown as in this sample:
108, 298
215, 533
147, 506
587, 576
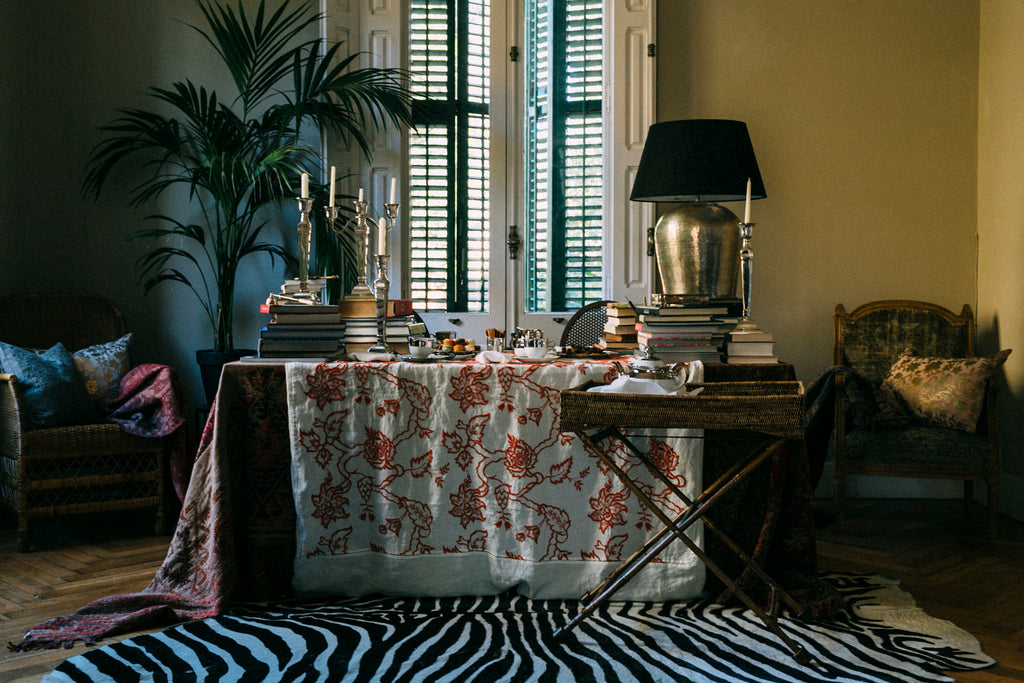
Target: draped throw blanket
148, 404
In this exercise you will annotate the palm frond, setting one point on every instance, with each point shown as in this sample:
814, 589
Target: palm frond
258, 53
236, 161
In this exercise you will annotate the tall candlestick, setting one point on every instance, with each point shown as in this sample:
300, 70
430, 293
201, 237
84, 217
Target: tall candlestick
331, 200
394, 189
746, 210
305, 186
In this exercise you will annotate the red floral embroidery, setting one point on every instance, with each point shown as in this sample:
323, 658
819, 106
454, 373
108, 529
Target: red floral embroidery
378, 450
499, 426
608, 507
329, 504
467, 505
520, 458
325, 384
335, 544
465, 440
389, 407
476, 541
469, 387
560, 472
322, 440
610, 551
663, 457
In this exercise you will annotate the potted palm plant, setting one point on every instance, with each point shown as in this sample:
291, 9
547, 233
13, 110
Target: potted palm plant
238, 154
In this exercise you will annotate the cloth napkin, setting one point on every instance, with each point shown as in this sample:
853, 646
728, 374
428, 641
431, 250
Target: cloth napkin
491, 356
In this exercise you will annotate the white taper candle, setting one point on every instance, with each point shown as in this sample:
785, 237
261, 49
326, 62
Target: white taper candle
746, 210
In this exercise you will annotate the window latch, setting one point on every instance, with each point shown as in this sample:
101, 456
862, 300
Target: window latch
513, 53
514, 242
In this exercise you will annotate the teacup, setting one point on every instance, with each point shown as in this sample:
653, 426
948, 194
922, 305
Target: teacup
534, 352
420, 347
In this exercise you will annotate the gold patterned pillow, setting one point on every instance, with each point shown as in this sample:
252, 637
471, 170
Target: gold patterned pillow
102, 366
948, 392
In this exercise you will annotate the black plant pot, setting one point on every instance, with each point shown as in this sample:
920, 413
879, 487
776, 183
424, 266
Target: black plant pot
210, 364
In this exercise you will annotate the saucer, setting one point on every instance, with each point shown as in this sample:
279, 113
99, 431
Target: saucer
409, 358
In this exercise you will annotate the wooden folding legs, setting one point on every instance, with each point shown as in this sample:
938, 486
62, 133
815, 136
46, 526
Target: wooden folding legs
675, 528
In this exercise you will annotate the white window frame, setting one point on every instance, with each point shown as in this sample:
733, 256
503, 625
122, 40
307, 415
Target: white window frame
378, 26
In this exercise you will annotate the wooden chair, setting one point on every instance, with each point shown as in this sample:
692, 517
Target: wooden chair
869, 340
75, 469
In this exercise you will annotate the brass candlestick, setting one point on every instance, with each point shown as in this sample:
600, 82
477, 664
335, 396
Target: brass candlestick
304, 230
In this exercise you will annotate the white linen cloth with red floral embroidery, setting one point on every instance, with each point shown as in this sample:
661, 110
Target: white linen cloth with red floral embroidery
453, 479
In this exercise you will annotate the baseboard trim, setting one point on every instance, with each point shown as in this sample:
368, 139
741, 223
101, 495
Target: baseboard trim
1011, 492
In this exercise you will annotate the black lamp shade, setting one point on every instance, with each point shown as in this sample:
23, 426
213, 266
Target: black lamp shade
697, 160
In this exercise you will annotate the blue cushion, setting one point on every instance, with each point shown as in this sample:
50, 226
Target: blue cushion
52, 389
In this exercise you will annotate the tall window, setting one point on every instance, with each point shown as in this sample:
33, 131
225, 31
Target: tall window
561, 159
449, 174
563, 169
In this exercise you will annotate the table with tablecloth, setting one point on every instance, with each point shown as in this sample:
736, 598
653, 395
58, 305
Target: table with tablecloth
236, 538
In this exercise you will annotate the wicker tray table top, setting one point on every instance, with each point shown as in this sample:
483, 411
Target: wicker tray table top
774, 408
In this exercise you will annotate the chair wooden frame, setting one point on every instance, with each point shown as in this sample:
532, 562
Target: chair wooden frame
986, 468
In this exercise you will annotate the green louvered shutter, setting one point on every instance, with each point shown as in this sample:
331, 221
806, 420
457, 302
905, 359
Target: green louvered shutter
449, 165
564, 153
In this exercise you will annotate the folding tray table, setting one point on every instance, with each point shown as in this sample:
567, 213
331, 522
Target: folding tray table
773, 410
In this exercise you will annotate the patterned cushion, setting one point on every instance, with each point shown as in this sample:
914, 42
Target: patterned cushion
102, 366
947, 392
52, 389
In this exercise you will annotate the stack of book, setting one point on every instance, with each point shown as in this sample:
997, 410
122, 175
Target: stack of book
750, 346
360, 316
301, 331
620, 327
314, 287
683, 332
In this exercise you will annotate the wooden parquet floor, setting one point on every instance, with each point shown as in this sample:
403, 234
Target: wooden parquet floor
936, 552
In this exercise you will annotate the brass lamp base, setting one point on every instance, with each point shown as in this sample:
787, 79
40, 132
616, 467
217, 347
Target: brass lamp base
696, 247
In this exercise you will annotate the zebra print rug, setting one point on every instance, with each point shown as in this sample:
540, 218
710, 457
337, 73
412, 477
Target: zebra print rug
881, 636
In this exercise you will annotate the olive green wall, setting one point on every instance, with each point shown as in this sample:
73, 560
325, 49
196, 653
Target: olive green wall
865, 119
65, 68
1001, 221
863, 115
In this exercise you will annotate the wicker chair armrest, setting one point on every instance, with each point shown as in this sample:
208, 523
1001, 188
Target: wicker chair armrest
12, 422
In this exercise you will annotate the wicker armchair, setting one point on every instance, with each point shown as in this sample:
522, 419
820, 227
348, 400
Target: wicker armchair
869, 340
76, 469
